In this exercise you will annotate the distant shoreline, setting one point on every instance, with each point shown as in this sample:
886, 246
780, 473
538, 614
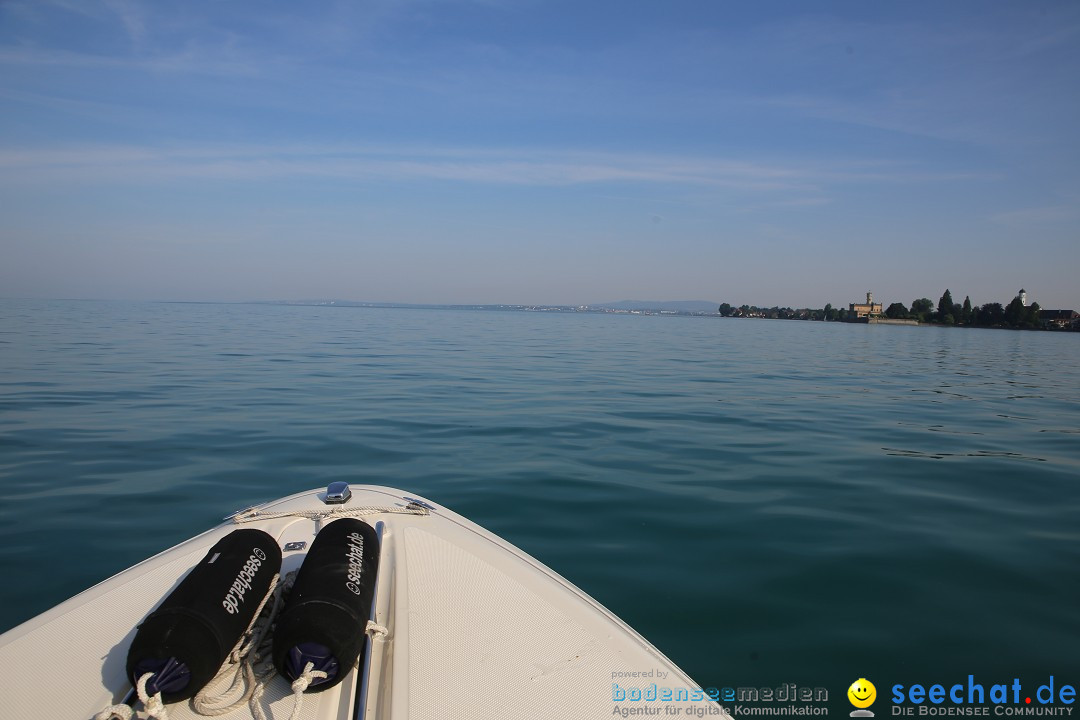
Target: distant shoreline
802, 314
775, 313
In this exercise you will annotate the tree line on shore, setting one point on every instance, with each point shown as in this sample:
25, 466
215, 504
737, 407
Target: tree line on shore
785, 313
1014, 315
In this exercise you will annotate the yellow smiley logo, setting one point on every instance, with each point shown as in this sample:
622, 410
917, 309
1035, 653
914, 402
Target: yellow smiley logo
862, 693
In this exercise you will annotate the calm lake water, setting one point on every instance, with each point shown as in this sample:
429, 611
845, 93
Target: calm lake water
765, 501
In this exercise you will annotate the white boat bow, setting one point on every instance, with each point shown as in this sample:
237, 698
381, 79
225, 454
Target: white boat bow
465, 626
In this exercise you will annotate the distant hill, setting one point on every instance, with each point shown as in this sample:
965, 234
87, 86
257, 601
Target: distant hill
682, 306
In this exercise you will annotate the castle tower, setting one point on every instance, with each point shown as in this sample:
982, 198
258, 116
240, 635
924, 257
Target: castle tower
1023, 297
870, 298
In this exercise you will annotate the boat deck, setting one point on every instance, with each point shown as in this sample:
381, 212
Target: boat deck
475, 628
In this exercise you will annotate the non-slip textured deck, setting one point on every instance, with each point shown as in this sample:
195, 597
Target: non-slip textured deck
480, 641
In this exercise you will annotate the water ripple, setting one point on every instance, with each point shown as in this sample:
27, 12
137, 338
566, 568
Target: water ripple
738, 491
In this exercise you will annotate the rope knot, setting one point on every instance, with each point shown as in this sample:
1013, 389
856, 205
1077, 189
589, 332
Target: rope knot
301, 684
155, 708
307, 677
376, 631
115, 712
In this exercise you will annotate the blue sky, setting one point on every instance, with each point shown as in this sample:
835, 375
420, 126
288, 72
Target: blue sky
506, 151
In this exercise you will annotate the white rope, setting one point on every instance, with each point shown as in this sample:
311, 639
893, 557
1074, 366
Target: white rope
301, 684
242, 667
154, 707
239, 667
115, 712
376, 631
251, 514
266, 672
256, 702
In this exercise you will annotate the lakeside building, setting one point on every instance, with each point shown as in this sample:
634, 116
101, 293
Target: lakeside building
1061, 319
1053, 319
867, 309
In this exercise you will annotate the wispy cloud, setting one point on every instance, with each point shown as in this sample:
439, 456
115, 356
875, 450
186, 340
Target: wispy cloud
799, 185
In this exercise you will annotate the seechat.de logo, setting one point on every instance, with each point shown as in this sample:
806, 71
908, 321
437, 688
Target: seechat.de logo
862, 694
